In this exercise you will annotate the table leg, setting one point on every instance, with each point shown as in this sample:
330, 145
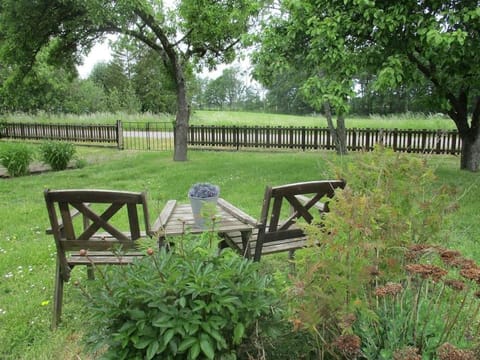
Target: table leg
246, 243
161, 241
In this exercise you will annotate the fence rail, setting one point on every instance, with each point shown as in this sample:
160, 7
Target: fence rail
159, 136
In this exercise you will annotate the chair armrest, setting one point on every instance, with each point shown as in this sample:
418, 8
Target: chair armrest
236, 212
305, 199
73, 213
163, 217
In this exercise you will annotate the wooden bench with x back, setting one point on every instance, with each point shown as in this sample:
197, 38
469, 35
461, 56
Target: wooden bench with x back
86, 227
278, 230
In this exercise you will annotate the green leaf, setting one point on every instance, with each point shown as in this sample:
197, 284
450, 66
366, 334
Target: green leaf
168, 335
207, 347
143, 343
128, 327
182, 301
152, 350
136, 314
238, 333
186, 343
163, 321
221, 342
194, 351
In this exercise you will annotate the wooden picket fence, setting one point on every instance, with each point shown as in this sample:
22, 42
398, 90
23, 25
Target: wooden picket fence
76, 133
159, 136
313, 138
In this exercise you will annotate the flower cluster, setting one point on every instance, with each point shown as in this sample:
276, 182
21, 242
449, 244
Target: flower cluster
348, 345
389, 289
407, 353
455, 284
471, 273
449, 352
454, 258
203, 191
427, 271
347, 321
415, 251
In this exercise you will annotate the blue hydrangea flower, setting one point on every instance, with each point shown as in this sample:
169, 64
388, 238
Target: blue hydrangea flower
204, 190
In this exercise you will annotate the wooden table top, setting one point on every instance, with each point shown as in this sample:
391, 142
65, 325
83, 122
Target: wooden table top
177, 219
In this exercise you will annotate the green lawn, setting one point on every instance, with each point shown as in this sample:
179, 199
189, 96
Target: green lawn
27, 255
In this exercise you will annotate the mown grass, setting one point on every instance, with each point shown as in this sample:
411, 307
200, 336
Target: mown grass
27, 255
204, 117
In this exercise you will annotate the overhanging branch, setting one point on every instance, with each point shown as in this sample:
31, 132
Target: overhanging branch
457, 112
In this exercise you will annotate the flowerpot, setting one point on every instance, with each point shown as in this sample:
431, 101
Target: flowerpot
202, 209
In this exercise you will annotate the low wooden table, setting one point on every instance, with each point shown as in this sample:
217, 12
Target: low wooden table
177, 219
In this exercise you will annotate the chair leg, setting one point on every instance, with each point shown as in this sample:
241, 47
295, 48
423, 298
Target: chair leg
258, 249
57, 298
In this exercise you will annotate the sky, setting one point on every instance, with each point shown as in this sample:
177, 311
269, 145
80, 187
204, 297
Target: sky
99, 53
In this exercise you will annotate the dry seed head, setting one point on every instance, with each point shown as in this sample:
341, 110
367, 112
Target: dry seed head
348, 345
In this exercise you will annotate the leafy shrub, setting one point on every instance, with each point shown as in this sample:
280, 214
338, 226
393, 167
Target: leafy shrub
391, 203
186, 303
57, 154
16, 158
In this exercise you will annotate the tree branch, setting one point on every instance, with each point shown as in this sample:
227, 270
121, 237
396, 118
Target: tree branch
139, 35
168, 48
456, 112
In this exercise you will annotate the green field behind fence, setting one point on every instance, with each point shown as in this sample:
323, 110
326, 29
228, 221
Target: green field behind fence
204, 117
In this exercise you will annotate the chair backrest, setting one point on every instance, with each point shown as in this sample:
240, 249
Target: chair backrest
272, 228
96, 229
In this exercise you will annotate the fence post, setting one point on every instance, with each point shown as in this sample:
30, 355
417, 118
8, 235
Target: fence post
236, 137
3, 129
119, 135
303, 129
439, 136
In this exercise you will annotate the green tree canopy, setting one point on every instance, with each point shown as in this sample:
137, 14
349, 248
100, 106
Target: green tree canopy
396, 41
195, 32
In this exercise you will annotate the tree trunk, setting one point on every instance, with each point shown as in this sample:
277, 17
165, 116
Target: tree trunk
338, 134
341, 136
470, 135
181, 120
470, 157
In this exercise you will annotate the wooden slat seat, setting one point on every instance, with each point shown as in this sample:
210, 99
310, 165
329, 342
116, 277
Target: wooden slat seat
278, 229
284, 245
94, 227
103, 258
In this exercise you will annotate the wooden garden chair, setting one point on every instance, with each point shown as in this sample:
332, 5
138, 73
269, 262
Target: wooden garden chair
84, 224
275, 233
